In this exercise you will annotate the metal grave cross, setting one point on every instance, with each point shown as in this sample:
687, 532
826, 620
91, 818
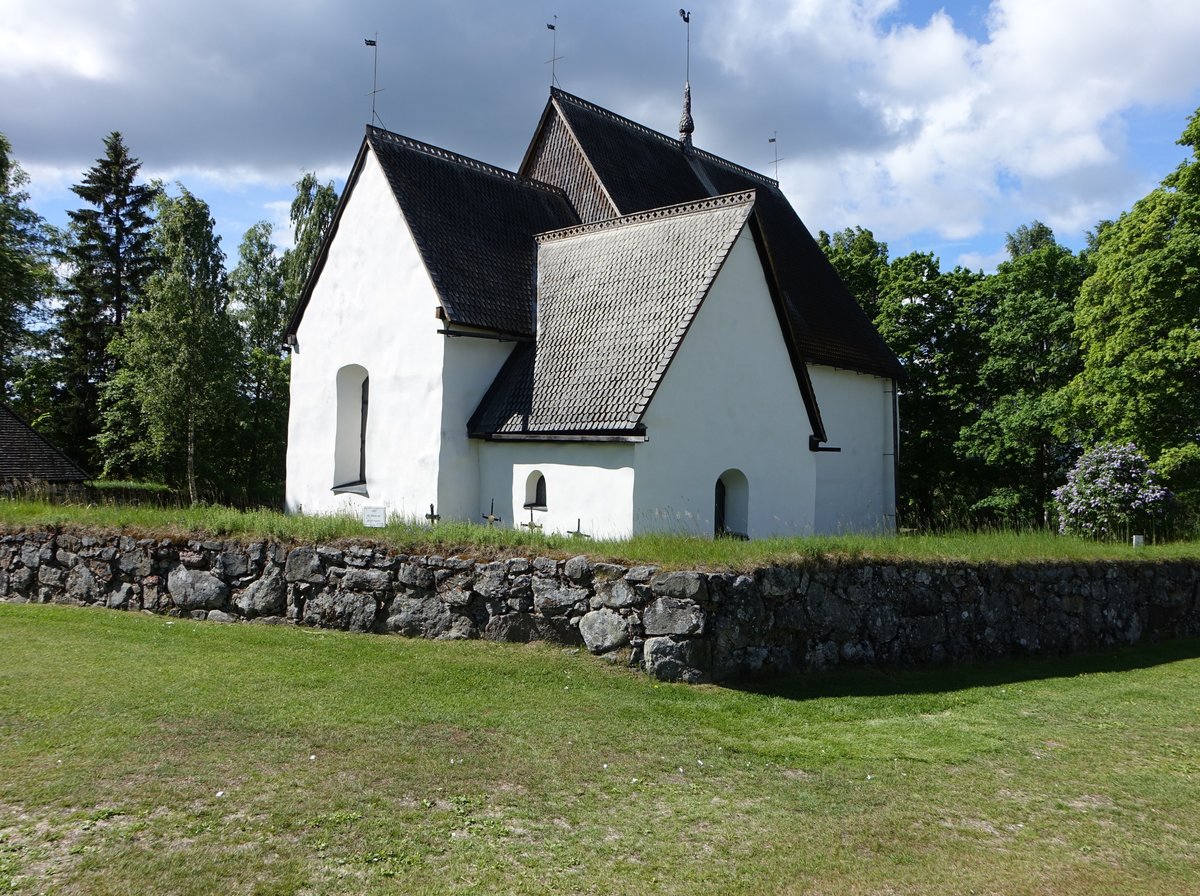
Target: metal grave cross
531, 525
432, 517
578, 531
490, 516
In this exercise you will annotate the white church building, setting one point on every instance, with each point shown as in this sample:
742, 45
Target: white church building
629, 334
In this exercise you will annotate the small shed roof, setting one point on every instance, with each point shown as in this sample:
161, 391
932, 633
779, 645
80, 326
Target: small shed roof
26, 455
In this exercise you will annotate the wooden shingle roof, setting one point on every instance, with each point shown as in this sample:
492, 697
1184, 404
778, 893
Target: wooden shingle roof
25, 455
615, 299
638, 168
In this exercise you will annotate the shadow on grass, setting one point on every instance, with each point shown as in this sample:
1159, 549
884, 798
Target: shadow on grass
883, 682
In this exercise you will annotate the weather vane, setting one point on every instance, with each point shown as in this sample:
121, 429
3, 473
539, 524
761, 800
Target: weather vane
374, 43
687, 67
554, 57
772, 140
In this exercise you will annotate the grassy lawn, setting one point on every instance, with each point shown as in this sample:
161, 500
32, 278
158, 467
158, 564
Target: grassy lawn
140, 754
668, 551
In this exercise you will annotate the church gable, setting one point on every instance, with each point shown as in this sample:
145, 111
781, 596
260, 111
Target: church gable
615, 301
642, 169
554, 157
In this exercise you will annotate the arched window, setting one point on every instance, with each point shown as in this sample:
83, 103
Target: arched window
731, 510
535, 491
350, 439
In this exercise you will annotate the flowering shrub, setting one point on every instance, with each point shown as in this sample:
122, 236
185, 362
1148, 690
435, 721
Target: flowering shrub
1110, 492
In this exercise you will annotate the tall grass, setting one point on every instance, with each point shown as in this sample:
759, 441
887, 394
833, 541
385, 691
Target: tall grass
661, 549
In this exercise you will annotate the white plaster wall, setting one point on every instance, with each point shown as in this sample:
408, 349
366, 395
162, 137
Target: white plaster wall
373, 306
856, 486
729, 400
470, 365
587, 483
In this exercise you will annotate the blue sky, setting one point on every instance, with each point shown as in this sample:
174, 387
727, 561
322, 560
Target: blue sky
939, 126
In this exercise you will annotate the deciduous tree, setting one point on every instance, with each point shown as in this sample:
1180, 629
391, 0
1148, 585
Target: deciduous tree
1138, 318
1029, 355
178, 357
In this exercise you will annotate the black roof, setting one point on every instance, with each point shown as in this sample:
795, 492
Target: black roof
473, 224
641, 169
25, 455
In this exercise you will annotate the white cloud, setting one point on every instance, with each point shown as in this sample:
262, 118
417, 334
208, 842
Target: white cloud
909, 125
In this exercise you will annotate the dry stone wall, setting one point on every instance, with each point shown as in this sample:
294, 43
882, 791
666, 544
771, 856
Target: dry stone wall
689, 626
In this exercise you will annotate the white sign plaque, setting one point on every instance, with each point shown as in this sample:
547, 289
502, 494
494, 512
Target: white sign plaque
374, 517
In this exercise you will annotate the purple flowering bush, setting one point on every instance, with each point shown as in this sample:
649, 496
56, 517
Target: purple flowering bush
1111, 492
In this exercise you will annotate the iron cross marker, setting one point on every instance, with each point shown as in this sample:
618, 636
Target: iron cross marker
578, 531
432, 517
490, 516
531, 525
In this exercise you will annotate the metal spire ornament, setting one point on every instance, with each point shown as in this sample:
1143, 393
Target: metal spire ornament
554, 57
374, 44
686, 125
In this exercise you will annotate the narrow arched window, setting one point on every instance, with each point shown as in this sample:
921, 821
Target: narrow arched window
535, 491
350, 437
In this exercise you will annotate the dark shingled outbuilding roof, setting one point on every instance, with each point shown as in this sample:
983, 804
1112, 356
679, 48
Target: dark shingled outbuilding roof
640, 169
474, 226
603, 346
25, 455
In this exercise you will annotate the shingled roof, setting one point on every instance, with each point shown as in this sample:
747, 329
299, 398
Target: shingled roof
25, 455
634, 168
603, 347
473, 224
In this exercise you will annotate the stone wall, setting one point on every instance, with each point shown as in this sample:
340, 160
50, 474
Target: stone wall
676, 625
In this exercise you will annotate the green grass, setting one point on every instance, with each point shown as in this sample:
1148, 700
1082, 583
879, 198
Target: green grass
140, 754
668, 551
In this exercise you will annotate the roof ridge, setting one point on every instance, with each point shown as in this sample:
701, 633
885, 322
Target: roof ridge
726, 200
637, 126
459, 159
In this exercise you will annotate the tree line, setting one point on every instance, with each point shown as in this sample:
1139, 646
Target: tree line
126, 340
1011, 376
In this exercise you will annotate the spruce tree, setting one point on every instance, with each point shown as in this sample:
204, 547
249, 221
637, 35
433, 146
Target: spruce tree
25, 272
109, 256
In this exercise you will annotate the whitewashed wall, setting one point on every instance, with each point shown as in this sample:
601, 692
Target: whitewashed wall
856, 486
590, 484
469, 367
729, 400
373, 306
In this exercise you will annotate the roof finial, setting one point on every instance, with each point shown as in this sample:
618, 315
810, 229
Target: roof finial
686, 125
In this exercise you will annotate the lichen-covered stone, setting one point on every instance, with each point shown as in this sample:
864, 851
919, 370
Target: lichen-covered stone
668, 659
347, 610
603, 630
366, 580
422, 616
552, 599
673, 616
685, 585
617, 595
196, 589
265, 596
303, 565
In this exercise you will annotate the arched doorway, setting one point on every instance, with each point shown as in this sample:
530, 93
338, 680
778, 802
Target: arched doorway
731, 505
